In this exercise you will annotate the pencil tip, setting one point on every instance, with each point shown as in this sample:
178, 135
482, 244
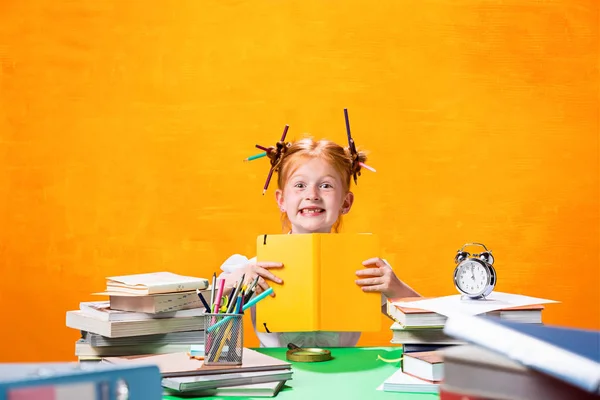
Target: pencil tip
264, 192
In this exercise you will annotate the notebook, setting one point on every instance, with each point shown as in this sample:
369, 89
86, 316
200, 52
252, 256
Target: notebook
401, 382
269, 389
320, 269
102, 310
180, 364
153, 283
156, 303
203, 382
77, 319
184, 337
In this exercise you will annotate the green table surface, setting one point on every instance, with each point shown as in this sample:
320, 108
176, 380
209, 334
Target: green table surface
354, 373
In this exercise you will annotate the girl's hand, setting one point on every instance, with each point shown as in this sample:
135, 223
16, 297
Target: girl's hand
380, 278
260, 269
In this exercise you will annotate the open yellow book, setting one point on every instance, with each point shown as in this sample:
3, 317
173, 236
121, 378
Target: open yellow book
319, 292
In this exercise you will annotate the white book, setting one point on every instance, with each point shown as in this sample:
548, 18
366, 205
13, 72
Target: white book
155, 282
189, 337
269, 389
401, 382
83, 349
101, 310
404, 335
193, 383
83, 322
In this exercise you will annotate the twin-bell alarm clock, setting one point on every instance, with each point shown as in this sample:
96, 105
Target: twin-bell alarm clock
474, 275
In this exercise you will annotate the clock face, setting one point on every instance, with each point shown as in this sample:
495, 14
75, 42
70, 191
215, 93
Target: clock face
472, 277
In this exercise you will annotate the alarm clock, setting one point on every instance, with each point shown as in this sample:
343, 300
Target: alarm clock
474, 275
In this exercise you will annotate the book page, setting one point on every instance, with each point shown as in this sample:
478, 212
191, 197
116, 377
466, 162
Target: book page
152, 279
457, 304
343, 304
294, 308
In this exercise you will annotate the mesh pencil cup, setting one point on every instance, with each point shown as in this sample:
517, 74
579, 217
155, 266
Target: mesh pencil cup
224, 339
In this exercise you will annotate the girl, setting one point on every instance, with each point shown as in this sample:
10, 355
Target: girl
313, 193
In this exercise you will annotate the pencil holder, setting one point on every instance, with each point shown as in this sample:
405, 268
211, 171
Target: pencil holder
224, 339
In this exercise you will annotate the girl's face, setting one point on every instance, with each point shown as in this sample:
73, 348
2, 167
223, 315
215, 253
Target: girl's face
314, 197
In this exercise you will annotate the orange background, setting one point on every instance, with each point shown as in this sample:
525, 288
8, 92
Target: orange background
123, 127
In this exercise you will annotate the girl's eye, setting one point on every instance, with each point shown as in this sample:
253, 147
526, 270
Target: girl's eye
299, 185
326, 186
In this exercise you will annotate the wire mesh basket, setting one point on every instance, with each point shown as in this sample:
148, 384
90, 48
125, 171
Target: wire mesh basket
224, 339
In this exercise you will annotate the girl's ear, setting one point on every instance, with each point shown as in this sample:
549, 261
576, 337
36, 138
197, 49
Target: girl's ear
347, 204
279, 199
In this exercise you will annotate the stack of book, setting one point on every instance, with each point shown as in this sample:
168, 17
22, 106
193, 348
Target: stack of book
420, 372
506, 360
422, 330
146, 314
183, 374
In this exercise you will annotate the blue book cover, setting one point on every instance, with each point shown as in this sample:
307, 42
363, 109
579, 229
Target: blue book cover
418, 347
569, 354
78, 380
584, 342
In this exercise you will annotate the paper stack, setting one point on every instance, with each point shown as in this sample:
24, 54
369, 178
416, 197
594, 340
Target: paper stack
419, 322
419, 327
146, 314
258, 375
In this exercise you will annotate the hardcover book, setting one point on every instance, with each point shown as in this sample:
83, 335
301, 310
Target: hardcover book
319, 292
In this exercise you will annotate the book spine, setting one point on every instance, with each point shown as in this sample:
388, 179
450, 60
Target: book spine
527, 350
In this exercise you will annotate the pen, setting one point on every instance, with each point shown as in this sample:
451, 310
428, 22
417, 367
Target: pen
221, 283
244, 308
226, 336
234, 294
251, 289
249, 295
212, 289
238, 305
253, 284
203, 301
231, 295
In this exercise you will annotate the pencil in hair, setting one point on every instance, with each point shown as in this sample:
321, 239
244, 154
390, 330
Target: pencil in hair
284, 132
254, 157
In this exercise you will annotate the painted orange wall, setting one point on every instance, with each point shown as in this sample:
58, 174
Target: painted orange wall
123, 127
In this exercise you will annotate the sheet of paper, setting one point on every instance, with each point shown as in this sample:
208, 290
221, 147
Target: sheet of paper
152, 278
457, 304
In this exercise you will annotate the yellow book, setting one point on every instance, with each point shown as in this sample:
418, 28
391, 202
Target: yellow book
319, 292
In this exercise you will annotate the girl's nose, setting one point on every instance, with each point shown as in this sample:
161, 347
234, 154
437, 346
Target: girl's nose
312, 193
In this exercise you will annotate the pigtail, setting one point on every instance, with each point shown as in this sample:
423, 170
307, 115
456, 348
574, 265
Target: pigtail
357, 158
277, 153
